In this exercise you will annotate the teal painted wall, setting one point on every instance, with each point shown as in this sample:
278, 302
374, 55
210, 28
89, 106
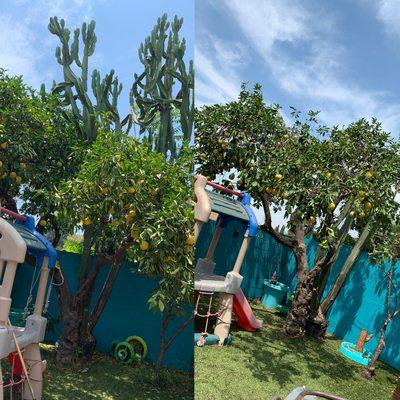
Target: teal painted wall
125, 314
359, 305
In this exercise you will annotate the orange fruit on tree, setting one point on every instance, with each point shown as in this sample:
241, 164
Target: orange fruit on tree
367, 206
59, 164
13, 175
144, 245
131, 190
352, 214
42, 222
361, 214
190, 240
278, 177
4, 145
18, 179
331, 207
86, 221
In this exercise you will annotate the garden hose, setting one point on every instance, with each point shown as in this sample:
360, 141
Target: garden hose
138, 344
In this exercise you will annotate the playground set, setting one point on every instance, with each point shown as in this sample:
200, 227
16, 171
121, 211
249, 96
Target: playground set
207, 284
20, 345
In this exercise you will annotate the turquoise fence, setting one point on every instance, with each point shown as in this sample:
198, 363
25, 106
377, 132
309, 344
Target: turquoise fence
360, 304
125, 314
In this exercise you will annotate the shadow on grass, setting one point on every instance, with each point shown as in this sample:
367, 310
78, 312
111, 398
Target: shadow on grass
107, 379
272, 356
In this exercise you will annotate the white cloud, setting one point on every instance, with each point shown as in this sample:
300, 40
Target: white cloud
271, 28
25, 41
388, 11
217, 69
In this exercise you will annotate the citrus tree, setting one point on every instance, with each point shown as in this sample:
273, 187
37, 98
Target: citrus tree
305, 169
37, 146
136, 206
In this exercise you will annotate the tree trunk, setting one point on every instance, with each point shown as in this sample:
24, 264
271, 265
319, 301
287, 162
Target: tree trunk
163, 329
69, 340
72, 310
369, 372
165, 344
347, 267
87, 338
296, 319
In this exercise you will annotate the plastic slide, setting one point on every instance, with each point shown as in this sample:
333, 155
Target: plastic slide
245, 317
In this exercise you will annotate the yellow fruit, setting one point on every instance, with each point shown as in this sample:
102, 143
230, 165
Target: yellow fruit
329, 175
203, 156
144, 245
131, 190
13, 175
190, 240
59, 164
368, 175
43, 222
18, 179
153, 192
285, 195
286, 136
361, 214
142, 181
367, 206
278, 177
224, 146
134, 234
132, 213
4, 145
86, 221
352, 214
311, 220
331, 207
23, 166
104, 191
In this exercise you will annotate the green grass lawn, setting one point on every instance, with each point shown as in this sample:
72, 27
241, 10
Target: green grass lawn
263, 364
107, 379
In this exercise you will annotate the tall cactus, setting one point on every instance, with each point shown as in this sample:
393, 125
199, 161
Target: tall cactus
153, 92
84, 113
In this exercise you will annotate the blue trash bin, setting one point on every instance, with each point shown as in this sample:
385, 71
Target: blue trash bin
273, 293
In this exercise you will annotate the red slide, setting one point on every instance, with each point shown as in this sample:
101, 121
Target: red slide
245, 317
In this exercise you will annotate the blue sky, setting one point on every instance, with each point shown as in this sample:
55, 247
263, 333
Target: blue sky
341, 57
27, 47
